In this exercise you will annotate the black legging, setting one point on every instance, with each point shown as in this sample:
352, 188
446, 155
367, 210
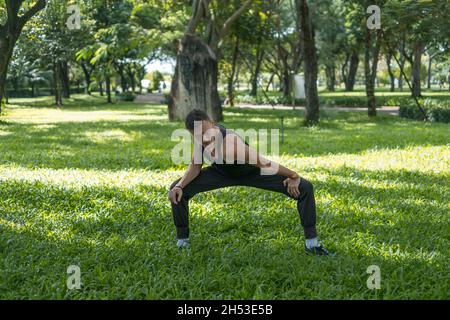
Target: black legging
211, 178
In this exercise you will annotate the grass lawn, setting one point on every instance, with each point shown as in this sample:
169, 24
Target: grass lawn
87, 185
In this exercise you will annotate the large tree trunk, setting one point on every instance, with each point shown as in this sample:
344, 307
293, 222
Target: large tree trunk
10, 30
372, 52
417, 64
194, 85
6, 50
353, 69
233, 73
310, 63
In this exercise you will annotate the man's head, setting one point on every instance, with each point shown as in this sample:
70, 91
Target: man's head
197, 118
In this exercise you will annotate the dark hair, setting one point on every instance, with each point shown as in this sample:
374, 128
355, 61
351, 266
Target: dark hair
195, 115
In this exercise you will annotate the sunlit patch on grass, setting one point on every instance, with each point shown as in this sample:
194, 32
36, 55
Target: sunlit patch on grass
107, 136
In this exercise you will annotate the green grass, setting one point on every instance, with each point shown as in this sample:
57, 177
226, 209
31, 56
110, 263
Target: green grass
86, 185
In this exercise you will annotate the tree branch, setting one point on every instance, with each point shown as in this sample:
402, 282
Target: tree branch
12, 9
197, 15
227, 25
40, 5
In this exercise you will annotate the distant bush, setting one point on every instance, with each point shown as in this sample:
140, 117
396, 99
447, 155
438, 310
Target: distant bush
126, 96
437, 111
329, 101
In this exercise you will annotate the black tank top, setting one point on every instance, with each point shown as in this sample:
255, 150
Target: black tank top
235, 169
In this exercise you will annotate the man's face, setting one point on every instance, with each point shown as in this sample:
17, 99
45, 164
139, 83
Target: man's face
204, 132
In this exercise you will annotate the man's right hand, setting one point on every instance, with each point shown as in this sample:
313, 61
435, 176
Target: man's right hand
175, 195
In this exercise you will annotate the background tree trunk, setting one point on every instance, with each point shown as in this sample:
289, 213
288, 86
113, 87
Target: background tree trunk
231, 79
87, 78
353, 69
416, 68
100, 87
257, 70
430, 65
286, 83
64, 78
131, 77
372, 52
108, 87
330, 71
123, 80
57, 82
402, 67
391, 73
310, 63
194, 85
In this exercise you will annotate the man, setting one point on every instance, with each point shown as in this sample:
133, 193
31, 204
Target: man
234, 163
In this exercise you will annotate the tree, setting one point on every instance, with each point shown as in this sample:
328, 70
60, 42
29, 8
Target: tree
353, 43
58, 45
421, 24
157, 78
194, 85
310, 63
372, 48
371, 56
10, 29
284, 52
331, 37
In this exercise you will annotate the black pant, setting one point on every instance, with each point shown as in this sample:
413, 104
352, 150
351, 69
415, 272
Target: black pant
211, 179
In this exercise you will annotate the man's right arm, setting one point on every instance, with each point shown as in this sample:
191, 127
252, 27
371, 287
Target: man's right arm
191, 173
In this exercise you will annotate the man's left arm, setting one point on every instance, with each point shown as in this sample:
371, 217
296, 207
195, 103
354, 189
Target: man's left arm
236, 148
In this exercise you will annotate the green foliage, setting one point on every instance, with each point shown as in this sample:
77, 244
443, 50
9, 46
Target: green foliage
126, 96
157, 78
332, 100
87, 185
437, 111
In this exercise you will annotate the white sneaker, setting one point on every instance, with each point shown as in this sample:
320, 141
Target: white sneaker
183, 244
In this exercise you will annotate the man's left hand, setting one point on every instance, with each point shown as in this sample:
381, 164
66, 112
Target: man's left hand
293, 185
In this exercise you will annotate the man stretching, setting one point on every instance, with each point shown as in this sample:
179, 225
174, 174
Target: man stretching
234, 163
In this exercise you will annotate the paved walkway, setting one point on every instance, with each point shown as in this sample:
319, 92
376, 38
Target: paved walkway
154, 98
158, 98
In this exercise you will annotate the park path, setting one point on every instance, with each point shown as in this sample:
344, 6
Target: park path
158, 98
155, 98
